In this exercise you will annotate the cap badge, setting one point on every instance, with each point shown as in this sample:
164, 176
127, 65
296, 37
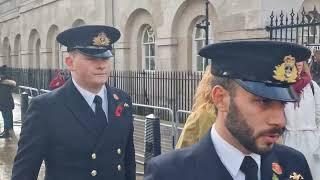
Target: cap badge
295, 176
101, 40
287, 71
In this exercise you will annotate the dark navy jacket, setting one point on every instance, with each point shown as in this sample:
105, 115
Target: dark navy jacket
201, 162
6, 99
57, 130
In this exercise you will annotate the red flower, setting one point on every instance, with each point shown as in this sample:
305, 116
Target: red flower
119, 110
276, 168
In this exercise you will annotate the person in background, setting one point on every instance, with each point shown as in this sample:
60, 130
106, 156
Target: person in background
203, 113
250, 87
6, 102
303, 119
84, 129
58, 80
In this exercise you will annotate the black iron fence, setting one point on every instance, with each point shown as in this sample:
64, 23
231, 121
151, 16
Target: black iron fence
171, 89
301, 28
298, 27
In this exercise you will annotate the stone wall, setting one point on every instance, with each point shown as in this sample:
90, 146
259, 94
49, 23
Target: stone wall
28, 27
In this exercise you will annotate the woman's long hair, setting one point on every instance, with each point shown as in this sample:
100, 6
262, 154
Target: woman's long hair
202, 99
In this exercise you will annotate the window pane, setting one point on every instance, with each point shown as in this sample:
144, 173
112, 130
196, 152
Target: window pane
198, 42
152, 50
197, 34
147, 63
152, 64
199, 63
145, 37
151, 35
149, 48
203, 34
146, 50
199, 45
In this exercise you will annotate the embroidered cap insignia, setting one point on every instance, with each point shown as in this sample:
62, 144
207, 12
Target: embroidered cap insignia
287, 71
101, 40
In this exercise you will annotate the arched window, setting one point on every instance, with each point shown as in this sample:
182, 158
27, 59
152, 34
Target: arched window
199, 41
148, 48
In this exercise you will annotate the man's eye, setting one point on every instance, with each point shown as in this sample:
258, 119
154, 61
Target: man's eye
265, 101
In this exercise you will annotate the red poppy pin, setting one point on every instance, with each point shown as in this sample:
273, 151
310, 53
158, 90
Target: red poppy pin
276, 168
119, 110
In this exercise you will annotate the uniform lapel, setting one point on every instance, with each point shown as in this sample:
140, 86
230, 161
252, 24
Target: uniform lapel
208, 162
113, 128
112, 103
76, 103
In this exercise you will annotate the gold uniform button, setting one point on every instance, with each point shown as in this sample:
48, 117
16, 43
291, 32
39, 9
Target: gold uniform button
94, 173
119, 167
93, 156
119, 151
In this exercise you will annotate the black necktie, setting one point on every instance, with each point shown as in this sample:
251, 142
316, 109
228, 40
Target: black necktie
100, 120
250, 168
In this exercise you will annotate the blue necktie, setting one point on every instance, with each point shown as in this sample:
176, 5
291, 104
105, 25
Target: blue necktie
250, 168
100, 120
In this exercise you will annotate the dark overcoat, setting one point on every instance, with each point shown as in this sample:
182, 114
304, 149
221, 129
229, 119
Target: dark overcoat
57, 130
201, 162
6, 99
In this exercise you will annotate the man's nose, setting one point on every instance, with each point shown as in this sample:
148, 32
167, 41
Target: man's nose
277, 117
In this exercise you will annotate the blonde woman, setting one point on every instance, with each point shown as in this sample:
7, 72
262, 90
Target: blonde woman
203, 113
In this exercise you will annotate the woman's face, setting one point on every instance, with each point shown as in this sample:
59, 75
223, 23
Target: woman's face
299, 66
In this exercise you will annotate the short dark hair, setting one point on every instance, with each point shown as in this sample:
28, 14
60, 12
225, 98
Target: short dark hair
227, 83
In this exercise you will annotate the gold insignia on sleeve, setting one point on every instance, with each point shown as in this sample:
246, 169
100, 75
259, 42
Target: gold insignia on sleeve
101, 40
295, 176
287, 71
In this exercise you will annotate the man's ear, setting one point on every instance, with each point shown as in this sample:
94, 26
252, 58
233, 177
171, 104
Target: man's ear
221, 98
69, 62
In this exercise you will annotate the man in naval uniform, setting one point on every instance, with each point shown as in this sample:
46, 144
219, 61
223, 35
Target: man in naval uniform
84, 129
250, 87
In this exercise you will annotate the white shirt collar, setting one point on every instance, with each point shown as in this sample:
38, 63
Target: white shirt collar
89, 96
229, 153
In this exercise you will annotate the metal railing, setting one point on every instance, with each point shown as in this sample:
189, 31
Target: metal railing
172, 120
43, 91
32, 92
172, 89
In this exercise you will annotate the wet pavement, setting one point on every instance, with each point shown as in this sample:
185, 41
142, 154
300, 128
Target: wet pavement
8, 147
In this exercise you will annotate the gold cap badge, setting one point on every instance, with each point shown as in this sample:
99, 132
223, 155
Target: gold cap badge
287, 71
101, 40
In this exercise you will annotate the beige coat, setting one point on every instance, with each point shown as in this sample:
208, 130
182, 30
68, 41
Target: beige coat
197, 125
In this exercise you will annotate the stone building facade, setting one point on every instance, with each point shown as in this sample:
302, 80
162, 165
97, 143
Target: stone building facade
156, 34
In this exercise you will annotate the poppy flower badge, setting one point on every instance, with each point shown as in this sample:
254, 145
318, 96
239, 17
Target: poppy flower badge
119, 110
120, 105
277, 171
